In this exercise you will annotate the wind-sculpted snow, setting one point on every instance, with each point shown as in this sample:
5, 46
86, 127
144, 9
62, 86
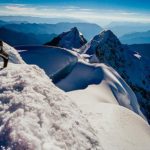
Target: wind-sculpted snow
35, 115
56, 62
134, 69
82, 75
98, 83
70, 40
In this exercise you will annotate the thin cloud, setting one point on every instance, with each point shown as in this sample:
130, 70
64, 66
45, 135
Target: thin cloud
19, 7
101, 16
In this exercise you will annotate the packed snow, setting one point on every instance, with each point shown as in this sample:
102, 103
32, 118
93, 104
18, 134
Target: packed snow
36, 115
118, 128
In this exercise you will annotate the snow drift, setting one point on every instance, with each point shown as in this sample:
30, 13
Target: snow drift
110, 87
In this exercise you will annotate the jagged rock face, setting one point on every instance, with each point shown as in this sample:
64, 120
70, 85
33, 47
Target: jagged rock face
131, 66
91, 47
71, 39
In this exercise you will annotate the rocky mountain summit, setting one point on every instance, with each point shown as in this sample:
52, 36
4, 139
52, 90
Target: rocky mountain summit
70, 39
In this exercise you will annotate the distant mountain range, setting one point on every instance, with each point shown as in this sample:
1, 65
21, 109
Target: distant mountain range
122, 28
30, 19
18, 38
136, 38
88, 29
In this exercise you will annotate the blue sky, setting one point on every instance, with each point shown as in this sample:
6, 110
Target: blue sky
99, 11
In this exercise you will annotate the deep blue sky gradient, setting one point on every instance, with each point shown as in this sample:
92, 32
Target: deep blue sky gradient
138, 5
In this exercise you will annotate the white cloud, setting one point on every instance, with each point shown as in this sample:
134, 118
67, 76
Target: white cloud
92, 15
18, 8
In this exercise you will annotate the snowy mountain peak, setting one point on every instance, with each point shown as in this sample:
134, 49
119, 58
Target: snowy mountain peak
108, 35
70, 39
105, 37
75, 29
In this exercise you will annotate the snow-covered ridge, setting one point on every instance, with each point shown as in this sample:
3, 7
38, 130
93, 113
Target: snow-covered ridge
104, 85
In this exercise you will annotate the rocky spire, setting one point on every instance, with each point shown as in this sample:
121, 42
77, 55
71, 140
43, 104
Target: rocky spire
70, 39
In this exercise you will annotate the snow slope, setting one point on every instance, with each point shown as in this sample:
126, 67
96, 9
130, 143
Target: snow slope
134, 69
118, 128
35, 115
90, 83
71, 39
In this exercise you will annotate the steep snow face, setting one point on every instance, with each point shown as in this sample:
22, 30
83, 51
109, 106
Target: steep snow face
56, 62
135, 70
91, 47
71, 39
90, 83
14, 57
35, 115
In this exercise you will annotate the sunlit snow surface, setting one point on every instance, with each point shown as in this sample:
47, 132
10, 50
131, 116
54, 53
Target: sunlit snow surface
36, 115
